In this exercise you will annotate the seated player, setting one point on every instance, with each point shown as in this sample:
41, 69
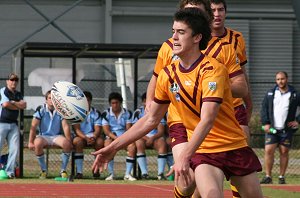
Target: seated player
154, 139
49, 124
88, 133
115, 121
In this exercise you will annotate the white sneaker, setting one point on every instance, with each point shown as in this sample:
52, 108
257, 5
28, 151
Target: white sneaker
109, 178
129, 178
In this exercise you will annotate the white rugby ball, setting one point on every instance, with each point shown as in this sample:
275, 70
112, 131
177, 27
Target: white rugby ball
69, 101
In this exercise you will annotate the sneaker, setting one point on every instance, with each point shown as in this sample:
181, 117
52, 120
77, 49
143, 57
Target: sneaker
145, 176
11, 176
109, 178
96, 175
79, 176
129, 178
266, 180
161, 177
43, 175
64, 174
281, 180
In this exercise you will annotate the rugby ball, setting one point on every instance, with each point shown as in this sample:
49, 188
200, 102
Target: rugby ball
69, 101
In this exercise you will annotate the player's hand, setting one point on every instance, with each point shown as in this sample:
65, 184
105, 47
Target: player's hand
267, 128
31, 146
103, 156
91, 141
182, 170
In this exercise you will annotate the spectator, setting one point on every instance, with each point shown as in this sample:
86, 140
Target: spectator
154, 139
116, 120
88, 133
11, 102
49, 123
279, 110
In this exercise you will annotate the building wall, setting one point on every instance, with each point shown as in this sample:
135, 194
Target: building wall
269, 27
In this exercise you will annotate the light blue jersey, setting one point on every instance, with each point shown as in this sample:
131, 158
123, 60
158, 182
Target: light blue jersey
93, 118
117, 125
139, 113
50, 122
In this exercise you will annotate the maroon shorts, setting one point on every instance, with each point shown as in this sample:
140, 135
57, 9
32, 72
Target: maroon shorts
178, 134
238, 162
241, 115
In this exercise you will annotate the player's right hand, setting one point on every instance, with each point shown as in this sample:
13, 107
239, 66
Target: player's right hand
103, 156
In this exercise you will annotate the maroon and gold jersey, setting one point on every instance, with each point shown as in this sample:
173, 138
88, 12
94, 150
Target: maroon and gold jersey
205, 81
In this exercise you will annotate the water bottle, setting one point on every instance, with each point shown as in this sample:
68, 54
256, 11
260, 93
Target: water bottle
272, 130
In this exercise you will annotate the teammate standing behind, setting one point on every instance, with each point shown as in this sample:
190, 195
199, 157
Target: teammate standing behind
217, 145
154, 139
49, 124
116, 120
88, 133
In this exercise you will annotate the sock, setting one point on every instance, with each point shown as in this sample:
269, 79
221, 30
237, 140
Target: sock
235, 192
161, 163
65, 159
79, 162
170, 160
280, 176
142, 161
129, 165
110, 167
42, 163
178, 194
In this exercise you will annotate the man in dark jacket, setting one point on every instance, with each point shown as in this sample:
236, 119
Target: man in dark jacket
279, 121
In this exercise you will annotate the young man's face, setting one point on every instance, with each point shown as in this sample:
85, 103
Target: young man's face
115, 105
219, 15
49, 102
281, 80
183, 39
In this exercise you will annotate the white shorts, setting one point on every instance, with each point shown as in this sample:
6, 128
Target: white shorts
50, 139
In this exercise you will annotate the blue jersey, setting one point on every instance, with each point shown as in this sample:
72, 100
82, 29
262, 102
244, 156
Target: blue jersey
93, 119
117, 124
8, 115
50, 122
139, 113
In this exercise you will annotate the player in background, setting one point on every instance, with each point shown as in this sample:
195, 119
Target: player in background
88, 133
242, 106
49, 124
217, 146
116, 120
221, 49
154, 139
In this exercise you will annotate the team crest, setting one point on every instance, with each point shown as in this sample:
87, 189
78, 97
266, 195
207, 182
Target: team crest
175, 57
174, 88
212, 86
75, 92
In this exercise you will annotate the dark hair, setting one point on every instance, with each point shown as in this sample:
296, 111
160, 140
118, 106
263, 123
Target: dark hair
47, 94
88, 95
283, 72
219, 2
143, 97
205, 3
115, 96
197, 21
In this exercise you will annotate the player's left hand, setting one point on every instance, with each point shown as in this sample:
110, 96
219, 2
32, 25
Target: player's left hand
103, 156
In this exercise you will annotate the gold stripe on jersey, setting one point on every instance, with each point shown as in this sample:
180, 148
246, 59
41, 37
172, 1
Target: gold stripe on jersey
188, 89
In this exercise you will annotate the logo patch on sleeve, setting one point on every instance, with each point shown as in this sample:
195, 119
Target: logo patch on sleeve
212, 86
